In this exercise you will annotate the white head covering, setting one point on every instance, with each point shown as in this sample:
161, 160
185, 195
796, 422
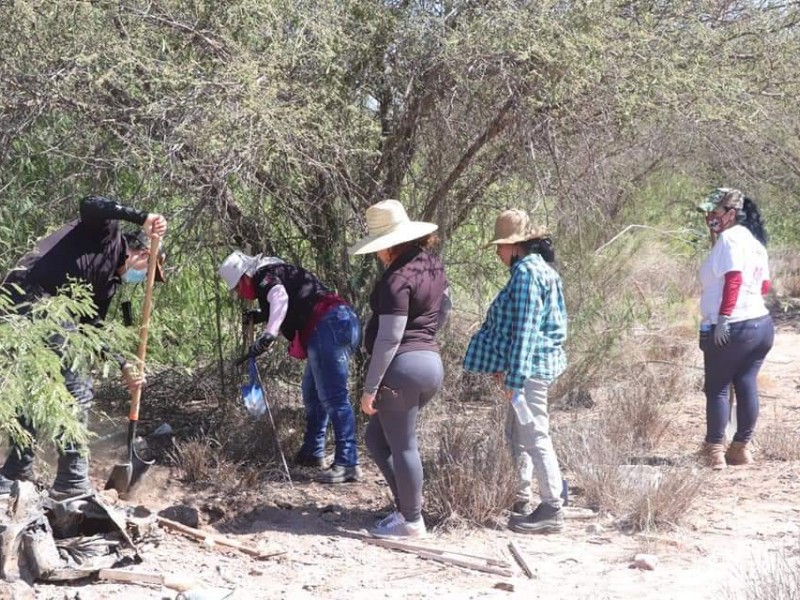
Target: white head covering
389, 225
238, 264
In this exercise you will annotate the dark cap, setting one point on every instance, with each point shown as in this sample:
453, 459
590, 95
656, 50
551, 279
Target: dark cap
137, 240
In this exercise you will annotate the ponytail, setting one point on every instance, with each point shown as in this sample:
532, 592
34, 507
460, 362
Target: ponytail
751, 218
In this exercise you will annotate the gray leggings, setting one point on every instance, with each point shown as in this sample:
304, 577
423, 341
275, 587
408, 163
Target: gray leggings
411, 380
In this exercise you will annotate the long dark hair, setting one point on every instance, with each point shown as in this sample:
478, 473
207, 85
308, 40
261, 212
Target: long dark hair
751, 218
543, 246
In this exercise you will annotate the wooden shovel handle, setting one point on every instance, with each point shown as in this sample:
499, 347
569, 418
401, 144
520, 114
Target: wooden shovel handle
144, 329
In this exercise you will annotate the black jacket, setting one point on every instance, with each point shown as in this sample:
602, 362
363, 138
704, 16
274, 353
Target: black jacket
90, 249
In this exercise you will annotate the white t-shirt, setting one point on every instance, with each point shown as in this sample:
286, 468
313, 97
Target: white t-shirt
735, 250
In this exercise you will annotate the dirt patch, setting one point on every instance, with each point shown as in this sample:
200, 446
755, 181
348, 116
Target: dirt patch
743, 515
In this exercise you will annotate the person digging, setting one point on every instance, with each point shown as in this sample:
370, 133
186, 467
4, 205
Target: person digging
92, 250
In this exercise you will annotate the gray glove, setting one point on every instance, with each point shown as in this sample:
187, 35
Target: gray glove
722, 332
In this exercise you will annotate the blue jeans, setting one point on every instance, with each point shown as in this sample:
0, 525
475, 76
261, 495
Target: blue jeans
325, 385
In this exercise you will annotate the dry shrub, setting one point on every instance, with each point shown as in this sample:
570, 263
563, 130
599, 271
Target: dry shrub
639, 413
470, 476
779, 442
591, 456
666, 504
775, 578
785, 265
201, 460
594, 452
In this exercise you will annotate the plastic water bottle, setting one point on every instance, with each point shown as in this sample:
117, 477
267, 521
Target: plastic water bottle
524, 414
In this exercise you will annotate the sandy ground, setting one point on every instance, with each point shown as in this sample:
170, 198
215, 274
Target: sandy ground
745, 515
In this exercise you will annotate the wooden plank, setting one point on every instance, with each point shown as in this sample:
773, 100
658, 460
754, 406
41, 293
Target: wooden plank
415, 548
520, 558
216, 538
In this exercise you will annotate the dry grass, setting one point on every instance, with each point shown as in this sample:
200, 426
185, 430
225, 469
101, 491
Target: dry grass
639, 413
666, 504
779, 442
470, 476
785, 265
598, 449
201, 460
776, 578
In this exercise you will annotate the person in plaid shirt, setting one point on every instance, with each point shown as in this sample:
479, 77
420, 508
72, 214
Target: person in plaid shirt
521, 343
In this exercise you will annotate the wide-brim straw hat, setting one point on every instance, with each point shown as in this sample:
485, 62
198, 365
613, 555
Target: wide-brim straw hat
388, 225
234, 266
513, 226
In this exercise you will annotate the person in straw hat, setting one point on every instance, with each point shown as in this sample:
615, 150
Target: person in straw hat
321, 327
521, 343
736, 331
409, 304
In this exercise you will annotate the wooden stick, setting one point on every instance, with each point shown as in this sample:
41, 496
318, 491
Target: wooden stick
465, 563
180, 584
520, 558
216, 538
414, 548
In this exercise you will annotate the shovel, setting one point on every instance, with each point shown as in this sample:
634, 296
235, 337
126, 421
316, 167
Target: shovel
125, 476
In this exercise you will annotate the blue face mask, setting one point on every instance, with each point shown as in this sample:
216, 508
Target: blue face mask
134, 276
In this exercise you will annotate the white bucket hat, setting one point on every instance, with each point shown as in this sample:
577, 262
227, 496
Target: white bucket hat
238, 264
389, 225
234, 266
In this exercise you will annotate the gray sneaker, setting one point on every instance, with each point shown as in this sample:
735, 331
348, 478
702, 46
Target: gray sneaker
398, 528
390, 518
339, 474
545, 519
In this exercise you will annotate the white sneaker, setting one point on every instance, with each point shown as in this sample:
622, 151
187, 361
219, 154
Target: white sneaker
400, 529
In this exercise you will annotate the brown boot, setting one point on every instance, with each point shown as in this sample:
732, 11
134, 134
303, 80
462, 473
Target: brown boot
714, 455
738, 454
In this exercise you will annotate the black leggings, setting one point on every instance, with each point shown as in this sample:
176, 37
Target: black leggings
411, 380
737, 363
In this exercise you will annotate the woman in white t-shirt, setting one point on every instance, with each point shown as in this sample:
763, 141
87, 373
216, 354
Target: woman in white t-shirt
736, 332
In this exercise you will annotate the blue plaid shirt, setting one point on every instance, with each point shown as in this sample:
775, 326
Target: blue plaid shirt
525, 328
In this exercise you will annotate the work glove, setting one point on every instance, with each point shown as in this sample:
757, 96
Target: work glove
252, 315
722, 332
261, 344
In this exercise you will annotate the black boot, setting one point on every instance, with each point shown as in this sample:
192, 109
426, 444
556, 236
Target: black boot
18, 466
72, 476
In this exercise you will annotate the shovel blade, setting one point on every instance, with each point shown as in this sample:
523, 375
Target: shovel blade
125, 476
120, 478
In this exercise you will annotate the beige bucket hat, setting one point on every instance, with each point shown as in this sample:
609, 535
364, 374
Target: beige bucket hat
389, 225
514, 226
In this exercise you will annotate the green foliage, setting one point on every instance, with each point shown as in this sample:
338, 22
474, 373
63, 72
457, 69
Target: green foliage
270, 125
32, 384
